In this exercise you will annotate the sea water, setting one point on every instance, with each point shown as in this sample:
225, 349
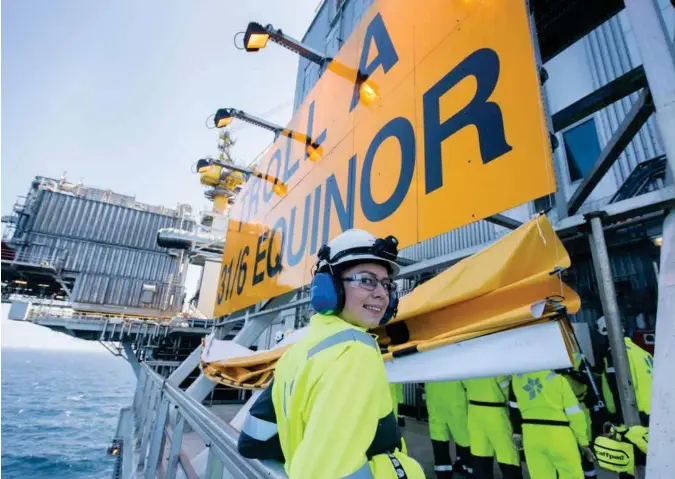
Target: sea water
60, 410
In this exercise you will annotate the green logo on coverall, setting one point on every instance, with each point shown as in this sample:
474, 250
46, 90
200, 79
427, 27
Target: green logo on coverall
649, 360
533, 387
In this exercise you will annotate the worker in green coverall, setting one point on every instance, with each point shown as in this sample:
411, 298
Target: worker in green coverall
396, 391
641, 364
448, 416
490, 432
550, 424
579, 384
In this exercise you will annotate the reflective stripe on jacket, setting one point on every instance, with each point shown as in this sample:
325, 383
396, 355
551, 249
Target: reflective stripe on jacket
330, 397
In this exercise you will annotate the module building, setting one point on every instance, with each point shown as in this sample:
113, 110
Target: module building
95, 249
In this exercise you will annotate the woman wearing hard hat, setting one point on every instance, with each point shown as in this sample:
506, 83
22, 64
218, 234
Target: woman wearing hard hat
331, 402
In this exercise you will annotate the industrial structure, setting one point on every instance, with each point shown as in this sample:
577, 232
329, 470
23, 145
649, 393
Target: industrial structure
603, 79
606, 68
95, 248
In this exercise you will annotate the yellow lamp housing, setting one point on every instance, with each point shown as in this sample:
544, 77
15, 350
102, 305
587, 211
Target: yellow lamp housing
280, 189
222, 118
256, 37
368, 92
314, 152
210, 175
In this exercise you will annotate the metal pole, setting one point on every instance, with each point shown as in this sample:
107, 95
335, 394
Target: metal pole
660, 457
658, 61
610, 309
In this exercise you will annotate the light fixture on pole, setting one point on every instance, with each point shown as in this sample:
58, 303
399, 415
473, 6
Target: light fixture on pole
224, 116
257, 36
212, 170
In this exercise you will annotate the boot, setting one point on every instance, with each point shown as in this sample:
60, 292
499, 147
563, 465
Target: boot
443, 474
482, 467
511, 472
463, 460
442, 461
588, 468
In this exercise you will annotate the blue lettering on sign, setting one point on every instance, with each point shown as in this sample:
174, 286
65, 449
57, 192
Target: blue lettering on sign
386, 53
485, 115
319, 203
274, 264
289, 172
320, 138
260, 255
344, 209
315, 220
294, 257
403, 131
268, 190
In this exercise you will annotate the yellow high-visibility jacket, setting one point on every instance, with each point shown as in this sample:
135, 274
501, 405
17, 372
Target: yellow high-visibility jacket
333, 406
641, 364
546, 398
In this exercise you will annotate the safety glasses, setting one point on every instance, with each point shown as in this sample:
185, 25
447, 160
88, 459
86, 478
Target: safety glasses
369, 281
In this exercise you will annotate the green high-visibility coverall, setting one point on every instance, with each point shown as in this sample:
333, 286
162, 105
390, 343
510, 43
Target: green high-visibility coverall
553, 425
330, 394
448, 412
641, 364
489, 426
396, 391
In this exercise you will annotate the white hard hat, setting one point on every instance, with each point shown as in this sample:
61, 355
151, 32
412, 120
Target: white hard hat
601, 325
358, 246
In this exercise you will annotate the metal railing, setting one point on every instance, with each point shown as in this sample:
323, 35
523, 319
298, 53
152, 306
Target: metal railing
55, 259
160, 435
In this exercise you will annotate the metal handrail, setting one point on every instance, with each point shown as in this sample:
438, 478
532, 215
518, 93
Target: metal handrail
219, 436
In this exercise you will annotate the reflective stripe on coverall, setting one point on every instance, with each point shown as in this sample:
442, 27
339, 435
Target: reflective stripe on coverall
330, 393
554, 425
448, 416
490, 430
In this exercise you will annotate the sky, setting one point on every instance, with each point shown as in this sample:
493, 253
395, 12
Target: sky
116, 93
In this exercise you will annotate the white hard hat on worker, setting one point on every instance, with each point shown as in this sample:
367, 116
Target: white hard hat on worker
354, 278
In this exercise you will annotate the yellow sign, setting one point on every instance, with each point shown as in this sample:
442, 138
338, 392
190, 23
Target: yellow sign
452, 131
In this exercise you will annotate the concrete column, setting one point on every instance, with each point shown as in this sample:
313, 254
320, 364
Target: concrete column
658, 61
660, 458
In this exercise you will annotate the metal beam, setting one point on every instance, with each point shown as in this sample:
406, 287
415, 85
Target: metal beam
651, 202
606, 95
131, 358
636, 117
504, 221
640, 205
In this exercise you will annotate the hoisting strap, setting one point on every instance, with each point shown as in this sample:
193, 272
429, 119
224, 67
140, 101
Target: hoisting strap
400, 472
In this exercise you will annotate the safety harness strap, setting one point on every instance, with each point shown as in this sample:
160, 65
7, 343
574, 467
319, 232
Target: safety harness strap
400, 472
343, 337
545, 422
488, 404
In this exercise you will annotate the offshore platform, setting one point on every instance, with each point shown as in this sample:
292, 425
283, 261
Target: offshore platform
101, 266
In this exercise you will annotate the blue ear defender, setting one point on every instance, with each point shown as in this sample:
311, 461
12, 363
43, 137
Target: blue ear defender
392, 310
326, 297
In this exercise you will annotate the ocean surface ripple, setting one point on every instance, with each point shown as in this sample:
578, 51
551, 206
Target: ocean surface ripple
59, 412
